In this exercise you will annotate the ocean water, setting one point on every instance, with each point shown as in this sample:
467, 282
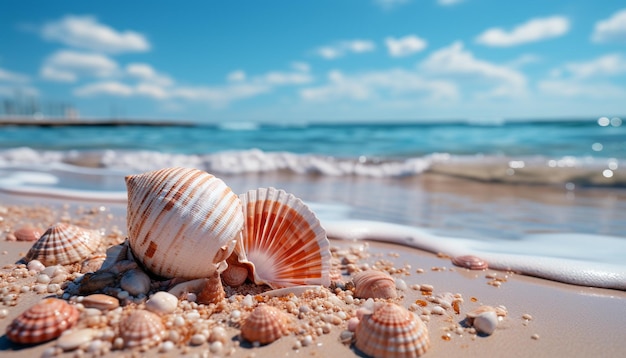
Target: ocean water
547, 198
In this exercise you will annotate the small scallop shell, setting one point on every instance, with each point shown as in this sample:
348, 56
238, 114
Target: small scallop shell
27, 233
374, 284
283, 242
42, 322
470, 262
182, 222
265, 325
392, 331
141, 329
64, 244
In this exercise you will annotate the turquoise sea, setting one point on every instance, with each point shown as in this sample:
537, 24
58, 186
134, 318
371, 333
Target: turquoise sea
553, 189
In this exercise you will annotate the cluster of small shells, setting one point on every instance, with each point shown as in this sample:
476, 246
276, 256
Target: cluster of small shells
115, 305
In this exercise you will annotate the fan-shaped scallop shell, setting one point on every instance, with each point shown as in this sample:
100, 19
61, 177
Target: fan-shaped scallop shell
265, 325
182, 222
283, 241
392, 331
374, 284
42, 322
64, 244
141, 329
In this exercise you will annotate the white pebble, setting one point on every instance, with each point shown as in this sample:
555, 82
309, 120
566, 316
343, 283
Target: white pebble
43, 278
197, 339
53, 287
248, 301
307, 340
216, 347
74, 339
235, 315
162, 303
438, 310
35, 265
166, 346
4, 313
486, 322
401, 284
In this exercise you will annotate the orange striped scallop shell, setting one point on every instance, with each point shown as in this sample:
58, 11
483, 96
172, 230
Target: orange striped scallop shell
182, 222
392, 331
265, 325
142, 329
64, 244
283, 242
44, 321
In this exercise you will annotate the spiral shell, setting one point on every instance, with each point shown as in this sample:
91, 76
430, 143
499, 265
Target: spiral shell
64, 244
141, 329
470, 262
374, 284
283, 242
42, 322
265, 325
391, 331
182, 222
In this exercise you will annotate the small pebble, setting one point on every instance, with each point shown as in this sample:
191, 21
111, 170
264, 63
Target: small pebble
162, 303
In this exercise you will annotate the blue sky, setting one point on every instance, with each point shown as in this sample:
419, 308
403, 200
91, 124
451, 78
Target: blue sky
319, 60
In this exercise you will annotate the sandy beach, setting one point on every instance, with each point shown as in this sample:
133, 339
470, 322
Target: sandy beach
544, 318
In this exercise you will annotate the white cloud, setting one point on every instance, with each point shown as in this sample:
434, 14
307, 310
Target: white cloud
612, 29
109, 87
608, 65
461, 64
449, 2
404, 46
573, 88
390, 4
146, 73
84, 32
523, 60
340, 49
67, 66
379, 85
220, 96
236, 76
531, 31
301, 66
8, 76
285, 78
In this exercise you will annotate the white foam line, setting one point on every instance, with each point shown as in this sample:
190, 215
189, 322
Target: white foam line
96, 196
573, 271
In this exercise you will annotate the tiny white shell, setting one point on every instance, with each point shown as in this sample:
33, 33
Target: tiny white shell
283, 242
64, 244
182, 222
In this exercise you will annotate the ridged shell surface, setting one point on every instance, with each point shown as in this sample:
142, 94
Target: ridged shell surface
42, 322
182, 222
470, 262
374, 284
283, 240
265, 325
64, 244
141, 329
392, 331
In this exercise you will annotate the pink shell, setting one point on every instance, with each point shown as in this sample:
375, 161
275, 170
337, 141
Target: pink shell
42, 322
64, 244
283, 241
470, 262
374, 284
182, 222
393, 332
265, 325
142, 329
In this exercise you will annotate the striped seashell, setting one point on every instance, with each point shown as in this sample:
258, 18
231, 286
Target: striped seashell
182, 222
265, 325
374, 284
283, 242
64, 244
141, 329
93, 263
44, 321
391, 331
470, 262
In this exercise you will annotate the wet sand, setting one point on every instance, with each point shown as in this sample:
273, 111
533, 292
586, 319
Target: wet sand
566, 320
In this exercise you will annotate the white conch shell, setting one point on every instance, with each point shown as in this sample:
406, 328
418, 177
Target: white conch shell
283, 242
182, 222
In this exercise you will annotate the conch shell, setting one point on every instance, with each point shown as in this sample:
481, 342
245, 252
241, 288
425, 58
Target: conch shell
182, 222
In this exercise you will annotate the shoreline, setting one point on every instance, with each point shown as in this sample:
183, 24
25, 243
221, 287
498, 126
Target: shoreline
566, 320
